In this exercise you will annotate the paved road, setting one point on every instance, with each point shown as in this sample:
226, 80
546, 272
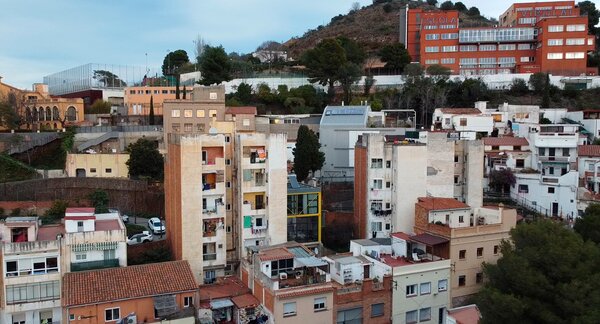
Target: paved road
144, 222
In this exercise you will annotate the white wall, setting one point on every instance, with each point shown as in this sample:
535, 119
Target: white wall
565, 193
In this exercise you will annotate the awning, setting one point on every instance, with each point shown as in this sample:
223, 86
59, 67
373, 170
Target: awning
165, 305
221, 303
311, 262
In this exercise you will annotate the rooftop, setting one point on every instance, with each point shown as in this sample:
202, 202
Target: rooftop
275, 254
97, 286
461, 111
466, 314
244, 301
345, 115
429, 239
49, 232
588, 150
505, 141
437, 203
298, 187
246, 110
224, 287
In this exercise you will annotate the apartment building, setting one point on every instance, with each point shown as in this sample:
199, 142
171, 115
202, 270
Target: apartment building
292, 284
305, 220
93, 241
262, 190
31, 271
531, 37
474, 236
137, 99
552, 189
148, 293
229, 300
420, 271
506, 152
468, 122
360, 296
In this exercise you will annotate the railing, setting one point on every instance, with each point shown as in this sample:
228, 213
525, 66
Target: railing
132, 128
377, 286
209, 256
30, 141
349, 290
92, 265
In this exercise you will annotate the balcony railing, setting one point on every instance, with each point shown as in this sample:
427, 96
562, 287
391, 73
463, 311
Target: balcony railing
209, 256
93, 265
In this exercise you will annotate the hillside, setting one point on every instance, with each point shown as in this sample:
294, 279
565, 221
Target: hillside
373, 26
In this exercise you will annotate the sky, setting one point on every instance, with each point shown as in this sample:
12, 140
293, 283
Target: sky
38, 38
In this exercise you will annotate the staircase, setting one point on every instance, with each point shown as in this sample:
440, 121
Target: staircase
97, 141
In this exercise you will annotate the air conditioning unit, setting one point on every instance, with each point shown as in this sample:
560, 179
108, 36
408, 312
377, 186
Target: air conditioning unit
282, 275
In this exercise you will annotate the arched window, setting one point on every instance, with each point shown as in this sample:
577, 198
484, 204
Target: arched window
55, 113
71, 114
42, 113
34, 114
48, 113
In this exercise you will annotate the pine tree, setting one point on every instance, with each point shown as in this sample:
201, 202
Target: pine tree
307, 156
151, 114
184, 92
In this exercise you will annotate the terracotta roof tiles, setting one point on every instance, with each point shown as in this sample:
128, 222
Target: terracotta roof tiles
241, 110
308, 290
588, 150
505, 141
437, 203
246, 300
461, 111
275, 254
97, 286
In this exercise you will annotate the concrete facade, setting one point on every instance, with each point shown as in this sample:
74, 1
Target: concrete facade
97, 165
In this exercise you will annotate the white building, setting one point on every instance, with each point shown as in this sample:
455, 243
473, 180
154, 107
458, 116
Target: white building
468, 122
261, 189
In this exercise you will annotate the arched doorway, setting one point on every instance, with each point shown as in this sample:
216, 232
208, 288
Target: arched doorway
71, 114
55, 113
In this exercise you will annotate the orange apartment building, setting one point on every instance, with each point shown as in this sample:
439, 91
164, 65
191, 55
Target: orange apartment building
141, 294
549, 37
137, 99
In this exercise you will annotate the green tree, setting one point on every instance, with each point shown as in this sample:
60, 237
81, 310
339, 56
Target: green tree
548, 274
447, 5
324, 62
501, 180
144, 160
151, 113
519, 87
184, 92
474, 12
8, 116
460, 7
347, 75
432, 2
438, 70
307, 155
546, 97
589, 8
173, 62
214, 65
100, 200
537, 81
354, 52
244, 93
588, 226
55, 212
99, 107
395, 57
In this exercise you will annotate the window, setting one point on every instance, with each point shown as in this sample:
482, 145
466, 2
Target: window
507, 47
200, 113
18, 319
92, 170
550, 190
187, 113
425, 288
212, 96
468, 61
228, 184
80, 256
520, 163
377, 310
46, 290
72, 317
555, 42
487, 48
411, 290
429, 62
187, 127
246, 122
187, 301
280, 266
442, 285
462, 254
289, 309
411, 317
320, 304
523, 188
349, 316
227, 161
463, 122
176, 127
576, 27
462, 280
432, 36
432, 49
461, 219
556, 28
227, 139
175, 113
376, 227
449, 48
111, 314
448, 61
479, 252
525, 21
165, 92
388, 164
496, 249
212, 113
209, 276
468, 48
479, 277
575, 41
590, 41
377, 184
388, 184
376, 163
425, 314
450, 36
524, 46
576, 55
209, 251
200, 127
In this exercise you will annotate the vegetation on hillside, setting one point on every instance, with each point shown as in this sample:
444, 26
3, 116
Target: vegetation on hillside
13, 170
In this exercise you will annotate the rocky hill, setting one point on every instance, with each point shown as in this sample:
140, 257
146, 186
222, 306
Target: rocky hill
373, 26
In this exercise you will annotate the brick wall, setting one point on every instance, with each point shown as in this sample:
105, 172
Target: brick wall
370, 293
360, 192
422, 224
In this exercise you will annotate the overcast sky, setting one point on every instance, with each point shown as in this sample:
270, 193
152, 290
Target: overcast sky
38, 38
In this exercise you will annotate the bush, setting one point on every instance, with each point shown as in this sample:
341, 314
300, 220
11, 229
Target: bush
55, 212
99, 200
133, 229
387, 8
15, 212
2, 211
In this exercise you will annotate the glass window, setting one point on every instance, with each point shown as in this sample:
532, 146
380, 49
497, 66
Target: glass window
411, 290
187, 127
462, 280
377, 310
575, 41
175, 113
187, 301
450, 36
449, 48
376, 163
425, 314
507, 47
556, 28
442, 285
487, 48
524, 46
377, 183
187, 113
555, 42
432, 36
111, 314
200, 113
429, 62
462, 254
555, 56
212, 113
580, 27
448, 61
349, 316
479, 252
468, 48
425, 288
576, 55
432, 49
411, 317
320, 303
289, 309
525, 21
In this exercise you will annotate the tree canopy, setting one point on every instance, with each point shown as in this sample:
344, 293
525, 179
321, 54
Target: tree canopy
8, 116
548, 274
589, 8
307, 155
173, 62
214, 65
395, 57
588, 226
144, 160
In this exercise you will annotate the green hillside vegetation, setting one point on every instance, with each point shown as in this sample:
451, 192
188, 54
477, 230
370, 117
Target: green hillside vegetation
13, 170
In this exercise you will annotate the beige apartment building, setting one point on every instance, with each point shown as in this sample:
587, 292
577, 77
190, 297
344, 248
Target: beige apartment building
218, 167
97, 165
137, 99
475, 235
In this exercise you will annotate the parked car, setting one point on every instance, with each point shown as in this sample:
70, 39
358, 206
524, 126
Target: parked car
140, 238
156, 226
124, 217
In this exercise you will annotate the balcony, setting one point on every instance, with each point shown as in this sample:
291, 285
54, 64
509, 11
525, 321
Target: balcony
554, 159
212, 189
381, 213
94, 265
216, 164
217, 210
209, 256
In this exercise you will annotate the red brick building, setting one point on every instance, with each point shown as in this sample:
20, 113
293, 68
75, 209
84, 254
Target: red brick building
534, 37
